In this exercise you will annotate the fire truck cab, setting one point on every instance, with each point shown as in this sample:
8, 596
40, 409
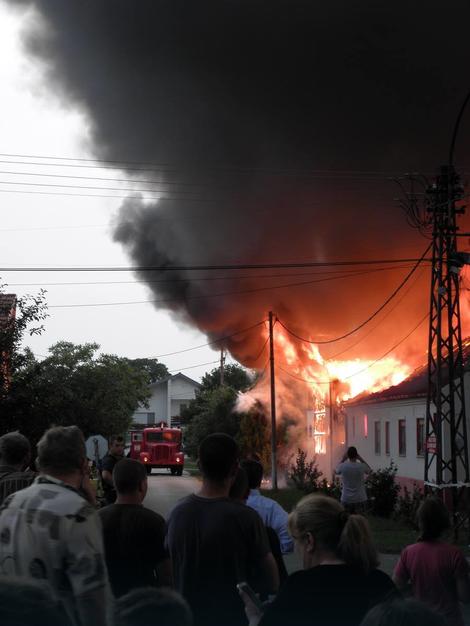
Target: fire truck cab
158, 446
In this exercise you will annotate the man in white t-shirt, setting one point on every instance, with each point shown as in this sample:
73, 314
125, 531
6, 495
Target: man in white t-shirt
353, 470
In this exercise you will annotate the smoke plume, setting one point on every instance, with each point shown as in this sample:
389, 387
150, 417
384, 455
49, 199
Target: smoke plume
273, 128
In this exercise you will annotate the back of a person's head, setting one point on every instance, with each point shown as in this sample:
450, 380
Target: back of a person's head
347, 536
218, 455
128, 475
14, 448
115, 439
28, 603
400, 612
254, 470
240, 489
61, 450
148, 606
433, 519
352, 453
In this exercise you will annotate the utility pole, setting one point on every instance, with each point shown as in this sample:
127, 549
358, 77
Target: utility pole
446, 451
222, 366
273, 405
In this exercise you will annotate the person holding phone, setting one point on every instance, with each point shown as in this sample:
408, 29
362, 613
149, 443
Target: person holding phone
340, 581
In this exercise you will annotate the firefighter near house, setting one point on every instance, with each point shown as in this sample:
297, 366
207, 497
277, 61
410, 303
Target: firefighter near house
159, 447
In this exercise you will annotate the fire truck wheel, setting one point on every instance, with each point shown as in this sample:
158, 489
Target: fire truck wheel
179, 471
173, 470
149, 469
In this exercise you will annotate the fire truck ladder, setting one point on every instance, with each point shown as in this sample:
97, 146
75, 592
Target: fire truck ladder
446, 451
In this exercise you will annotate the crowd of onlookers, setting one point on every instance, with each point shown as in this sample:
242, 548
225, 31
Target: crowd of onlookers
218, 558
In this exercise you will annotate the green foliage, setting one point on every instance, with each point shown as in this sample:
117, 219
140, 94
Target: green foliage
305, 474
408, 505
235, 377
152, 367
382, 490
74, 386
212, 412
331, 489
31, 311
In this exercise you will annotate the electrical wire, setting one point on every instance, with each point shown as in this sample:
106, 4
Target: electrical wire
240, 266
211, 343
209, 278
191, 367
209, 295
327, 382
371, 317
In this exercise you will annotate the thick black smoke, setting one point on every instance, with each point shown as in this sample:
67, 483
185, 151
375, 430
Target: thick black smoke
274, 126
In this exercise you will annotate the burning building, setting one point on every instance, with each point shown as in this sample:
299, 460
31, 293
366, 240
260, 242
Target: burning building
267, 163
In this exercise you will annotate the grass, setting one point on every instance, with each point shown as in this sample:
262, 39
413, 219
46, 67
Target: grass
390, 535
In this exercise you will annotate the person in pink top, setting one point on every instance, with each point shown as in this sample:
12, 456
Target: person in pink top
437, 571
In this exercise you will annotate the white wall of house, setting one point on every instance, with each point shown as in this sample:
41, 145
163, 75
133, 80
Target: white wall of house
366, 428
167, 399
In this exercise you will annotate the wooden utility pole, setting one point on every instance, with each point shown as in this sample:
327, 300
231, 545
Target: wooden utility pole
222, 366
273, 405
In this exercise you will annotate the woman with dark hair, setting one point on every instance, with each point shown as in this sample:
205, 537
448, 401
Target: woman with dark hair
340, 581
403, 613
437, 571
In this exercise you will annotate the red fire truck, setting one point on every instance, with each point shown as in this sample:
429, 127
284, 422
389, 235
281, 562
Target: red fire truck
158, 446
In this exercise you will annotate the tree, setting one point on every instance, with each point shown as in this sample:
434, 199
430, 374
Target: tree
254, 436
29, 313
214, 414
73, 385
235, 377
153, 368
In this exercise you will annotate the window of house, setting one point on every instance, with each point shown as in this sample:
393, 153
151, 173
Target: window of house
354, 426
420, 436
402, 437
377, 437
387, 437
366, 426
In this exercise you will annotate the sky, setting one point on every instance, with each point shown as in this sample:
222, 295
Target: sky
48, 230
247, 133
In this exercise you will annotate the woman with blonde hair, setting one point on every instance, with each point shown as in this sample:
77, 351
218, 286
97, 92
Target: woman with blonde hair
340, 581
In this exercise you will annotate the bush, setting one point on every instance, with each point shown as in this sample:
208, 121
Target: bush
408, 505
305, 474
333, 489
382, 491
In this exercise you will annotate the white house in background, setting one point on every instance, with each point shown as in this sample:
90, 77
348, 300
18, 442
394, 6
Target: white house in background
390, 425
169, 396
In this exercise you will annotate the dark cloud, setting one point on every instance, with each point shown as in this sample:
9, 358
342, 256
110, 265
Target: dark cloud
274, 127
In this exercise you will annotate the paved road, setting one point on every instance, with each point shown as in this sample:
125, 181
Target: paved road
165, 490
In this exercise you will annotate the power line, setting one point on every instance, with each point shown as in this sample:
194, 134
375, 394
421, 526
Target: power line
187, 268
209, 278
327, 382
212, 295
190, 367
371, 317
361, 339
211, 343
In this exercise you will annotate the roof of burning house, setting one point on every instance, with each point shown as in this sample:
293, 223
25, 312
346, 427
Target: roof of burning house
415, 386
7, 306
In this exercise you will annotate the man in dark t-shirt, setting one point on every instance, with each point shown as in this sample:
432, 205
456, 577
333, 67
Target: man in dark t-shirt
133, 535
215, 542
115, 454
